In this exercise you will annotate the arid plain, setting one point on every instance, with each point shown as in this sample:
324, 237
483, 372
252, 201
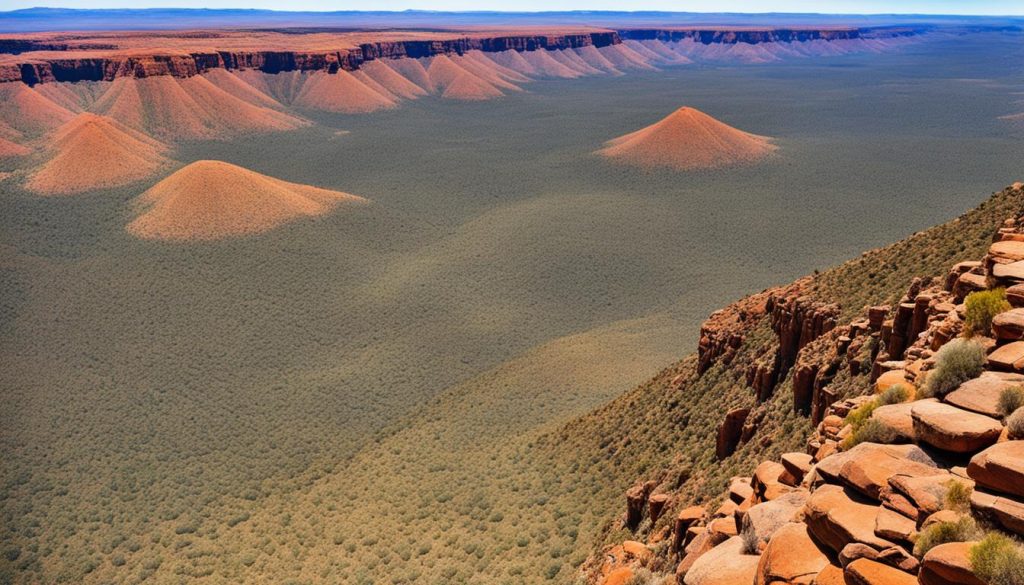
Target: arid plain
347, 386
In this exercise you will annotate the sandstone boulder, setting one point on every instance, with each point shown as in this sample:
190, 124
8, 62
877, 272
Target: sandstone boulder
797, 465
999, 510
1012, 271
1009, 357
868, 572
791, 557
636, 497
831, 468
656, 504
870, 466
891, 525
835, 518
981, 395
766, 482
740, 489
890, 379
723, 528
1000, 468
762, 520
918, 497
897, 417
953, 429
1009, 325
949, 564
1007, 250
1015, 295
830, 575
729, 432
686, 518
723, 565
619, 576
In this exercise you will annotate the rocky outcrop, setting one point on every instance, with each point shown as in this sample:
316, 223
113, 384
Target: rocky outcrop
730, 432
1000, 468
851, 508
949, 564
726, 329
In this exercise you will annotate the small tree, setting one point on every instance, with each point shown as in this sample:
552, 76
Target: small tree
981, 307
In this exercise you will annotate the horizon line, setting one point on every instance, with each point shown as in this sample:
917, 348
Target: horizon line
516, 12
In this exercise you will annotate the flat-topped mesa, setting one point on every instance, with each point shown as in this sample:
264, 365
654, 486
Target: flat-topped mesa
755, 36
34, 70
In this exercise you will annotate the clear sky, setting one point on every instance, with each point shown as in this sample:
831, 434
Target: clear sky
1008, 7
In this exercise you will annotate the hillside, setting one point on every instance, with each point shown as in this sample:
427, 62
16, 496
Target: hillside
763, 385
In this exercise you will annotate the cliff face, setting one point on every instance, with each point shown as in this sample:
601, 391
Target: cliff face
775, 35
41, 60
34, 71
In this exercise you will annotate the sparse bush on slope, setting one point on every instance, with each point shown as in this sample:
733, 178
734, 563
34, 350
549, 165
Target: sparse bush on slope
981, 307
956, 362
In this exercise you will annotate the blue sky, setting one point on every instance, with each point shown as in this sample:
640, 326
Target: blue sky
1014, 7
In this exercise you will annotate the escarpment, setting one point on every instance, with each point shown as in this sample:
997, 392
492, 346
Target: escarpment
80, 58
187, 64
873, 443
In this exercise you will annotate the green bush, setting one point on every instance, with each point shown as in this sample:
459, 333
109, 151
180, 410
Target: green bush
981, 307
894, 394
962, 530
1015, 424
864, 429
958, 496
955, 363
860, 415
1010, 399
998, 560
872, 431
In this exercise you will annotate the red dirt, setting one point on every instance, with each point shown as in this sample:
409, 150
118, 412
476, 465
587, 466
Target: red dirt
340, 92
210, 200
455, 82
11, 149
24, 109
188, 109
688, 139
95, 152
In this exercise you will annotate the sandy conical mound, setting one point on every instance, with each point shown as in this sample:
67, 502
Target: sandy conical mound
12, 149
341, 92
25, 110
209, 200
189, 109
95, 152
688, 139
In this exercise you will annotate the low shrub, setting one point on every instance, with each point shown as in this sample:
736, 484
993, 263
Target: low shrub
872, 431
981, 307
956, 362
962, 530
860, 415
958, 496
1010, 399
1015, 424
998, 560
894, 394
